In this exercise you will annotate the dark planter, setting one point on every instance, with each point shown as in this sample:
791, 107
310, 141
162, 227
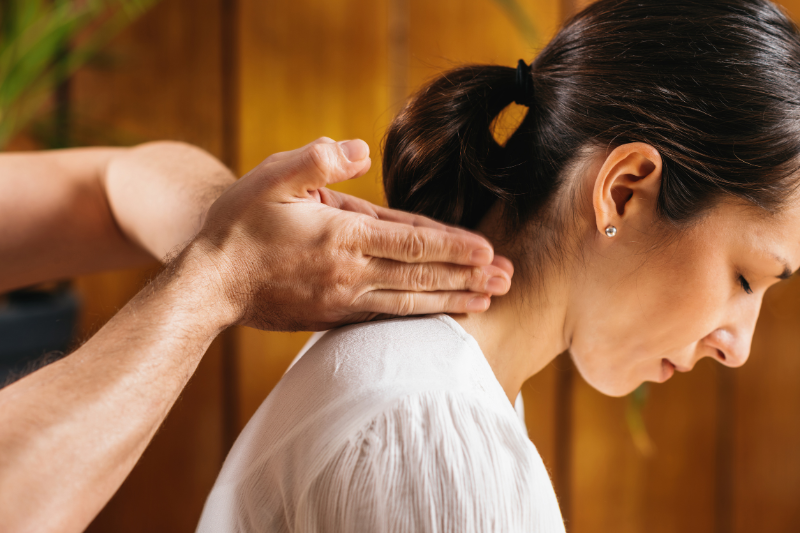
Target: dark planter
36, 328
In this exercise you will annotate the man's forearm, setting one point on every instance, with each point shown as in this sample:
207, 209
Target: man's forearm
80, 425
160, 192
70, 212
55, 220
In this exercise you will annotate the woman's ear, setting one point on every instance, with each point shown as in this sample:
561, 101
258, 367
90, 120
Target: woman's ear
626, 188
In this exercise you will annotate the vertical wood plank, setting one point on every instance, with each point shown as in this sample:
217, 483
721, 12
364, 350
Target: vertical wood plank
617, 488
308, 68
571, 7
163, 82
767, 435
605, 467
680, 478
229, 104
398, 51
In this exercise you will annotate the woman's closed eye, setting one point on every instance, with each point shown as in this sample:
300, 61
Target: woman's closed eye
745, 285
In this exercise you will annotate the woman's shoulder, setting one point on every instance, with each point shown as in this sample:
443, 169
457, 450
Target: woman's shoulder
410, 395
353, 373
419, 353
433, 460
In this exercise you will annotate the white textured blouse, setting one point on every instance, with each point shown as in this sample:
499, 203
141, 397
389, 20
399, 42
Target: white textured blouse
392, 426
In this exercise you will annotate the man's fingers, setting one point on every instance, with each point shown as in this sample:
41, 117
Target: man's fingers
409, 244
320, 164
401, 303
429, 277
504, 263
357, 205
280, 156
404, 217
345, 202
411, 219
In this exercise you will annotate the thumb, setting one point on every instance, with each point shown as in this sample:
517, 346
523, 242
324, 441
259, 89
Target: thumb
320, 164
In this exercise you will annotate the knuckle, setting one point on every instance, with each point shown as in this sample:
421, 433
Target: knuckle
405, 305
459, 249
422, 279
319, 159
414, 247
456, 302
346, 281
352, 236
342, 277
324, 140
273, 158
476, 278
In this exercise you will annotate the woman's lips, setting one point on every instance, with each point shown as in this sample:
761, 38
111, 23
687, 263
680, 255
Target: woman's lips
668, 368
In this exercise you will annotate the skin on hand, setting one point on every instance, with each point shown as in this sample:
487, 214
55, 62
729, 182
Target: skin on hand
293, 255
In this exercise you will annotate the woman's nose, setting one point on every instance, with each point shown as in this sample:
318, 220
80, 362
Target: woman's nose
731, 349
731, 342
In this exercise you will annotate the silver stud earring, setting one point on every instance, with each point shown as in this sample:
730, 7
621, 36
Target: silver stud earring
611, 231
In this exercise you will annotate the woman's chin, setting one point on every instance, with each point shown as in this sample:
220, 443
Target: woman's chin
612, 387
620, 380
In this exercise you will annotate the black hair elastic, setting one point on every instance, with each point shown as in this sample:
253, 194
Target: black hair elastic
523, 85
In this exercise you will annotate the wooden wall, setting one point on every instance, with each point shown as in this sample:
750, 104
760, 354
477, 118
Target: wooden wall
162, 80
248, 78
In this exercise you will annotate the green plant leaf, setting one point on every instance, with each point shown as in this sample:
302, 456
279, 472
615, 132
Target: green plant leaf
634, 415
39, 48
521, 20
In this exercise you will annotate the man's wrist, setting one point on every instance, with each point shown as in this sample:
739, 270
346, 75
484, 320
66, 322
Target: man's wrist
197, 280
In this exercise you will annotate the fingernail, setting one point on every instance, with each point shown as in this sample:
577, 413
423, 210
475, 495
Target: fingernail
478, 304
481, 257
496, 285
355, 150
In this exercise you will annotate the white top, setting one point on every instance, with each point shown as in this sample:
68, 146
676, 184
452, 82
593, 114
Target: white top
392, 426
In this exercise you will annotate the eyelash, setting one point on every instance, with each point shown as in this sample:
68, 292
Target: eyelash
745, 285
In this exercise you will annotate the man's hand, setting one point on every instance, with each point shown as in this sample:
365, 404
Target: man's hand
293, 255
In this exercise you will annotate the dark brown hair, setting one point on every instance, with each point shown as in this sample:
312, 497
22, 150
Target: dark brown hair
713, 85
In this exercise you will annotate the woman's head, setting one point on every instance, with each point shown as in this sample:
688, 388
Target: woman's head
677, 122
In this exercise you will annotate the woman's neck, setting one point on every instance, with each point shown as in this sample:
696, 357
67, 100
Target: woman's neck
524, 330
517, 340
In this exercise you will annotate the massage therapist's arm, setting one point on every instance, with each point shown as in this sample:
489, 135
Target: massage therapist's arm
276, 251
70, 212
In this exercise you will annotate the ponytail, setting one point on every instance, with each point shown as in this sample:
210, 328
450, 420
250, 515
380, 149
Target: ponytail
440, 157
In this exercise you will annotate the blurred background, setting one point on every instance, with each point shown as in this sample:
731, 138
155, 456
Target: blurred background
715, 450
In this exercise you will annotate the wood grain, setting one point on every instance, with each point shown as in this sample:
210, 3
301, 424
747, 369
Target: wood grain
163, 83
766, 441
